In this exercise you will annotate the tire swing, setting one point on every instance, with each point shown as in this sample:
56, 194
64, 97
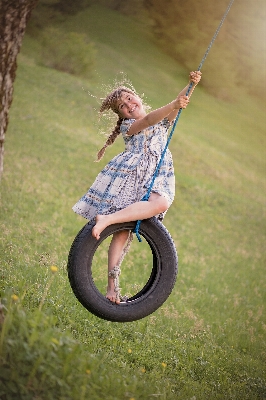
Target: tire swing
163, 272
155, 291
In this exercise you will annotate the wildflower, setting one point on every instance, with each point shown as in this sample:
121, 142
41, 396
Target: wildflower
143, 370
55, 341
164, 365
14, 297
129, 351
54, 269
88, 371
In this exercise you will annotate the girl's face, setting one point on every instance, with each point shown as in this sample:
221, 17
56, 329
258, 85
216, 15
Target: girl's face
130, 106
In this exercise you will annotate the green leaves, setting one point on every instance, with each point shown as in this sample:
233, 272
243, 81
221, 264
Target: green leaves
69, 52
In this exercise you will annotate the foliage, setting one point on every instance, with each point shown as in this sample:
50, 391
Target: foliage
135, 9
185, 28
70, 7
67, 51
37, 360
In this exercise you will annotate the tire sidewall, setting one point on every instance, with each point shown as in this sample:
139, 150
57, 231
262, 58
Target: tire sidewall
157, 291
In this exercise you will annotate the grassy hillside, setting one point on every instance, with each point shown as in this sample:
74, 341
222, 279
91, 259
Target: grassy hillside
208, 339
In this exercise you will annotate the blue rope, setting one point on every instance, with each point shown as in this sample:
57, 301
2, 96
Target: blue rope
147, 195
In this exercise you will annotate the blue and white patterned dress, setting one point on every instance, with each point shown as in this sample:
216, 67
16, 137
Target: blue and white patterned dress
126, 178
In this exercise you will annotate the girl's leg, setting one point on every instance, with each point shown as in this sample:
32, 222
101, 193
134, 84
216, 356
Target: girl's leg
114, 253
140, 210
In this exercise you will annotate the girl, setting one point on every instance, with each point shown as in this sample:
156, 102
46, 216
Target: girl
116, 194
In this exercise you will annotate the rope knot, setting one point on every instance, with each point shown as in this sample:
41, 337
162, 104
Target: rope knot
114, 273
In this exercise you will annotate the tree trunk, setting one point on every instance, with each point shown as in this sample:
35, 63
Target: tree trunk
14, 15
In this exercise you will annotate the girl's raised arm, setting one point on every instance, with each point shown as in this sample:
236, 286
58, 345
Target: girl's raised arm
169, 110
195, 77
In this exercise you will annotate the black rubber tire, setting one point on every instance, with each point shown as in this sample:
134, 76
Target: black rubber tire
149, 298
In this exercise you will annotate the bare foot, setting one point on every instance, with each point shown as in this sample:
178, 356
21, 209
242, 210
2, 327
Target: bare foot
101, 224
111, 295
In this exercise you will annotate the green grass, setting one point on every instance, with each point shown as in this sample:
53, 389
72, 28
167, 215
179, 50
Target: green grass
208, 339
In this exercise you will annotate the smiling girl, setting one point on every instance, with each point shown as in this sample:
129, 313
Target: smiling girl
115, 196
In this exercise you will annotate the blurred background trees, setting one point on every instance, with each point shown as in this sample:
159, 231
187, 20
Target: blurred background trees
183, 30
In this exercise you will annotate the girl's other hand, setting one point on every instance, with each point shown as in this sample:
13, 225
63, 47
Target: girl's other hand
181, 102
195, 77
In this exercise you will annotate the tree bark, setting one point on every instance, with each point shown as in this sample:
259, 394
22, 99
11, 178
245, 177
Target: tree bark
14, 15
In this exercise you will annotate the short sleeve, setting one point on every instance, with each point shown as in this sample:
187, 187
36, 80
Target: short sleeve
125, 126
166, 123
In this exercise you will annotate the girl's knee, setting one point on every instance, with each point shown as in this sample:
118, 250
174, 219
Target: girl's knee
163, 204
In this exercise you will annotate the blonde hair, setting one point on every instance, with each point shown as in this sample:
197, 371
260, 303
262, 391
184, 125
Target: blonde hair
110, 103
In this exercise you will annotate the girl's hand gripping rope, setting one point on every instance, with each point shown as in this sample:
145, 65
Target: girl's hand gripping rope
181, 102
195, 77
